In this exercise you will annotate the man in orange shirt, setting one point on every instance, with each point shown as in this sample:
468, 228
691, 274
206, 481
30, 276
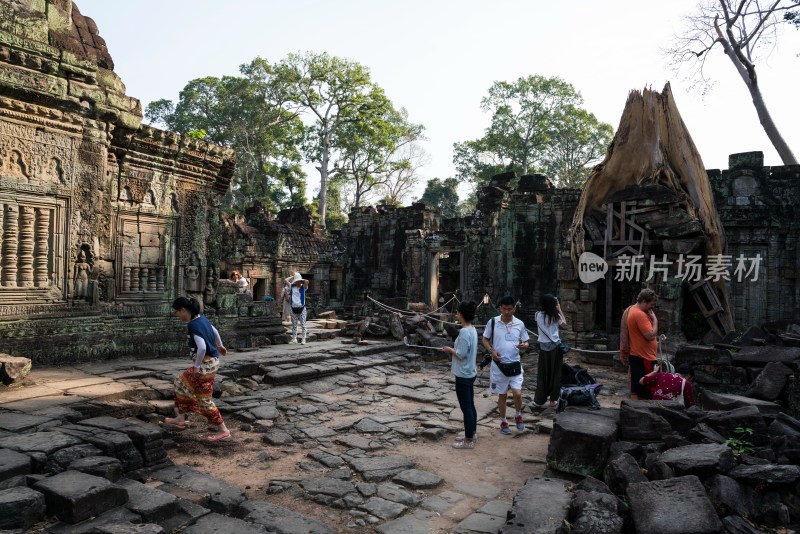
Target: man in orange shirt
642, 332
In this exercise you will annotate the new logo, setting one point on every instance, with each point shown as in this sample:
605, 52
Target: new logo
591, 267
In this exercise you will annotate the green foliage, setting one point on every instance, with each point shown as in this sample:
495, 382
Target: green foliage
334, 92
369, 146
442, 194
577, 140
251, 113
538, 125
740, 444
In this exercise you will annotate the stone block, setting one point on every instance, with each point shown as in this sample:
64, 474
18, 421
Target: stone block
113, 444
278, 519
702, 460
13, 463
72, 496
580, 443
20, 508
675, 506
13, 368
725, 402
767, 474
760, 356
638, 423
223, 497
770, 382
726, 422
539, 507
702, 355
152, 504
99, 466
621, 472
220, 524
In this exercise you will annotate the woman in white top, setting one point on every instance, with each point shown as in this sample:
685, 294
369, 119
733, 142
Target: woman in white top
241, 283
548, 379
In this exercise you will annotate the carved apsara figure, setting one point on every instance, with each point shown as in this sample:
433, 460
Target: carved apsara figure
191, 279
81, 278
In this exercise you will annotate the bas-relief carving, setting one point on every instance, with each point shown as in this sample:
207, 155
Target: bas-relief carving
35, 156
191, 274
82, 270
144, 255
27, 245
210, 293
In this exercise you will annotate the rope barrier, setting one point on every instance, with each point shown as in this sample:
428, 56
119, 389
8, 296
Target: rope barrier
387, 307
530, 332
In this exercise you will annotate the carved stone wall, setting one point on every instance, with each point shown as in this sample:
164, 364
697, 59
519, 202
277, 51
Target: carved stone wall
266, 250
758, 206
516, 244
103, 221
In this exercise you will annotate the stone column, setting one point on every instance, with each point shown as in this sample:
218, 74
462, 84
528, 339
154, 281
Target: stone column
26, 229
41, 249
10, 236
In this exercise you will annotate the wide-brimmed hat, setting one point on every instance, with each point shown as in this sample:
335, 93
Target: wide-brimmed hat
297, 277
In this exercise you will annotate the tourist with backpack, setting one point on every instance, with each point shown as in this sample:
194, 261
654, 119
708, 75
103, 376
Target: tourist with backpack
503, 338
548, 379
297, 300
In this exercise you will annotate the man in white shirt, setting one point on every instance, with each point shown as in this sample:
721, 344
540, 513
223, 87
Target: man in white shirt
503, 338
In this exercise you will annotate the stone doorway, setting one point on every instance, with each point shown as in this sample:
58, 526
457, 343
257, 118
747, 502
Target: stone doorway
446, 278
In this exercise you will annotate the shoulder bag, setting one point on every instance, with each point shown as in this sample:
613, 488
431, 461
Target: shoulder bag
563, 347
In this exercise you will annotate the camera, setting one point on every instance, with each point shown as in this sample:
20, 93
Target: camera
486, 360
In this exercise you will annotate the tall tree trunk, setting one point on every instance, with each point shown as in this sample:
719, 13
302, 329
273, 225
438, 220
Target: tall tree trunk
323, 184
747, 71
764, 117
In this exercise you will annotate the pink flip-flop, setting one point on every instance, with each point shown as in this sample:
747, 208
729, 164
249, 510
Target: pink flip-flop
219, 437
175, 422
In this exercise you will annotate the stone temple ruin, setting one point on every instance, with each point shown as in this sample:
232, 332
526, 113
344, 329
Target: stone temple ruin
104, 221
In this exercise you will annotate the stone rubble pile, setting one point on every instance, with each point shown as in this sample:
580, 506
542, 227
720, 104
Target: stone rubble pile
652, 466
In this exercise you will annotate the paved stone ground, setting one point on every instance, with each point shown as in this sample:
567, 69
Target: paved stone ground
100, 420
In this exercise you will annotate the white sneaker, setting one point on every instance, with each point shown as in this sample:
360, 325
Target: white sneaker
303, 342
293, 341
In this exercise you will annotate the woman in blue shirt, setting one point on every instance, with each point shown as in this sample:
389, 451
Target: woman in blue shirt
465, 371
194, 386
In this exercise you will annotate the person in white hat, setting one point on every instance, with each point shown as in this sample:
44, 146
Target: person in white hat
297, 300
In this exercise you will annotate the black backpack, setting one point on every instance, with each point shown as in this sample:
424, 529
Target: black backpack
575, 376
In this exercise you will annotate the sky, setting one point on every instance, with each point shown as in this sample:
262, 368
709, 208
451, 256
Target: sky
438, 58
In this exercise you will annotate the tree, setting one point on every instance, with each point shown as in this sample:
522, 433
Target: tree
442, 194
476, 162
793, 17
403, 173
253, 114
577, 141
370, 146
746, 31
332, 90
530, 119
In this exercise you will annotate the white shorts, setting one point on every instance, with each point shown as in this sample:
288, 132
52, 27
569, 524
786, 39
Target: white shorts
499, 384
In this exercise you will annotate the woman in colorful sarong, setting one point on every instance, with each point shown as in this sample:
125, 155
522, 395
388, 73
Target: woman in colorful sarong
194, 386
